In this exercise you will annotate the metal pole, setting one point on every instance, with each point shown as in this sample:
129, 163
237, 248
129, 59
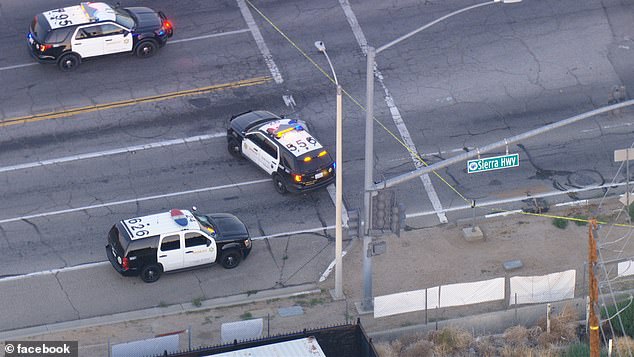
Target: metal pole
339, 201
593, 321
338, 293
548, 318
499, 144
366, 303
412, 33
473, 205
627, 184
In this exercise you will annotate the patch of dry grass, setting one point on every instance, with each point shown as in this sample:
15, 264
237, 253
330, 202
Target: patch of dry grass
485, 347
623, 346
517, 341
450, 340
516, 351
563, 328
516, 336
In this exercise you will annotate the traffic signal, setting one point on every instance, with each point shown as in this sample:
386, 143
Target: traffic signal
398, 219
354, 225
380, 205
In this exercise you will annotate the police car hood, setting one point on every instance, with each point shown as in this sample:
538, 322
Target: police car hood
145, 17
229, 226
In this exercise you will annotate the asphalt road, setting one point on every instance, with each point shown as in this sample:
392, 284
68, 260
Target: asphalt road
484, 75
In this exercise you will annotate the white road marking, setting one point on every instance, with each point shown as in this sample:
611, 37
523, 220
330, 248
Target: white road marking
18, 66
502, 214
396, 115
209, 36
320, 229
604, 127
301, 231
105, 263
572, 203
130, 149
168, 42
328, 270
259, 40
53, 271
134, 200
289, 100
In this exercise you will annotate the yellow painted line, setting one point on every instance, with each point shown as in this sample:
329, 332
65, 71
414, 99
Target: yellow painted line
129, 102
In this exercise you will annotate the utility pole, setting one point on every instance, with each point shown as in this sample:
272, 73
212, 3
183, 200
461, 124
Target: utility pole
593, 320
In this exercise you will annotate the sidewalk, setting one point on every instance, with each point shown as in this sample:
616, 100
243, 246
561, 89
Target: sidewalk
420, 258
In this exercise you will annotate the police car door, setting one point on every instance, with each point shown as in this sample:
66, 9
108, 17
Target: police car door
88, 41
170, 252
115, 39
199, 249
262, 151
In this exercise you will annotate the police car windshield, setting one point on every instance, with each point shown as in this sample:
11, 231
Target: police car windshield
124, 19
205, 221
40, 27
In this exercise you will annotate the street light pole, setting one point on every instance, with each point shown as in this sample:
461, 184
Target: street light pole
366, 302
338, 292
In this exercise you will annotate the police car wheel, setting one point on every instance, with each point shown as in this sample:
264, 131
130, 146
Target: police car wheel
151, 273
230, 259
68, 62
234, 148
146, 49
280, 186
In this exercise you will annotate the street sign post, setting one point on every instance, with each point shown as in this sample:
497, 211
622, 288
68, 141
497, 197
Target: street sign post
493, 163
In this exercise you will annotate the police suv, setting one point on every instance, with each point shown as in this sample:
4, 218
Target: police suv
176, 240
67, 35
283, 148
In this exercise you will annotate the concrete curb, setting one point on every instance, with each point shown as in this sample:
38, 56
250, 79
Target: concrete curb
235, 300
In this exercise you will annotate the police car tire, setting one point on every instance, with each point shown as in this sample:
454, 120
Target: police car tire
146, 49
151, 273
68, 62
234, 148
230, 258
280, 186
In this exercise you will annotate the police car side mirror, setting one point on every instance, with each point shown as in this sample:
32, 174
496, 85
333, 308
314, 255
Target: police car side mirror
126, 33
194, 208
208, 242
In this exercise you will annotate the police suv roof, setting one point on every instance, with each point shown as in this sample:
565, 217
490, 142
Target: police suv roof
157, 224
245, 121
291, 134
84, 13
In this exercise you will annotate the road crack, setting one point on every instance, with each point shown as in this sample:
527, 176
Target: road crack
44, 243
67, 297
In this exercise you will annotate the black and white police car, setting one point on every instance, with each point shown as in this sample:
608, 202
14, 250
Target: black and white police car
176, 240
283, 148
67, 35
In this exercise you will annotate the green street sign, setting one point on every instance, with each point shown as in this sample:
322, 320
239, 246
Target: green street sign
493, 163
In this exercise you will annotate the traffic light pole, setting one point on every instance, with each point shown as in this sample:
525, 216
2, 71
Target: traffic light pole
366, 302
